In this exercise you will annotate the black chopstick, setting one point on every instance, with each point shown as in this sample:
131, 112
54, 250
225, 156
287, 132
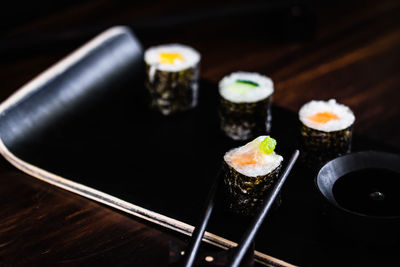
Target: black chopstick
198, 232
241, 249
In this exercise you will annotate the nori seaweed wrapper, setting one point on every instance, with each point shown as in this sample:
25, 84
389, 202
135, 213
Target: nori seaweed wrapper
242, 121
246, 195
318, 147
173, 91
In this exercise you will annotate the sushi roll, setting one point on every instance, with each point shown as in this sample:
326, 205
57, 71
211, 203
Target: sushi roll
172, 77
249, 173
245, 105
326, 130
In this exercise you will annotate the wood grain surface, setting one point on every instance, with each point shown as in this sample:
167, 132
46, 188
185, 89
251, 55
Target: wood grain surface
348, 50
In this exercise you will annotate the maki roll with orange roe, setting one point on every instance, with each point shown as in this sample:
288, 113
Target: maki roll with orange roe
172, 77
326, 131
250, 172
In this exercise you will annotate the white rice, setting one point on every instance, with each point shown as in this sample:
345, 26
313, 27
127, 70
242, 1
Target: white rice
190, 57
266, 163
346, 116
264, 90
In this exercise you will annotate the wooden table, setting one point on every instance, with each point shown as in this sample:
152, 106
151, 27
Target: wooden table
331, 49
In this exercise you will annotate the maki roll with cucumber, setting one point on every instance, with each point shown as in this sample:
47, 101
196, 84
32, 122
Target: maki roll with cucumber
172, 77
326, 131
249, 173
245, 105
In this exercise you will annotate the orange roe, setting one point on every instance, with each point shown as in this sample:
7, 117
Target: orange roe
323, 117
169, 58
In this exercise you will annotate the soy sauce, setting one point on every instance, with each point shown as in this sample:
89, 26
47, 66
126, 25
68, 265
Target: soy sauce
369, 191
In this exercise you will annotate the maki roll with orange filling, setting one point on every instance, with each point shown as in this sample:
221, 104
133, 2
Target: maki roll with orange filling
172, 77
245, 105
250, 172
326, 131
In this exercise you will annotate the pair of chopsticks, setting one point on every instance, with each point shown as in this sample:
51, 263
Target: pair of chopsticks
239, 251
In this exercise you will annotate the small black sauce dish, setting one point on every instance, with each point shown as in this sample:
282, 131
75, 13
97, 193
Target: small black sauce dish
362, 195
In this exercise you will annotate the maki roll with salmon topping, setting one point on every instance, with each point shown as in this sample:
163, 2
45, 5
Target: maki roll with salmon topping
250, 172
326, 130
172, 77
245, 105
